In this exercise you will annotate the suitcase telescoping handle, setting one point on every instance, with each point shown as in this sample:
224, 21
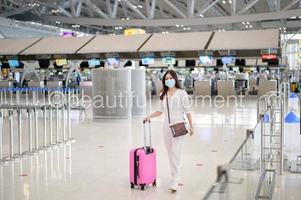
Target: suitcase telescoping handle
145, 124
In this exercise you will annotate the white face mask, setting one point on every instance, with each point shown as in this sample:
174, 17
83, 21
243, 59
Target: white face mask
170, 83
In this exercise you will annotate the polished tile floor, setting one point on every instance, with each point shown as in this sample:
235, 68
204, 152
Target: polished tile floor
95, 167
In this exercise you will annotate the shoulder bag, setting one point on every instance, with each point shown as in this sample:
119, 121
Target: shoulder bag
177, 129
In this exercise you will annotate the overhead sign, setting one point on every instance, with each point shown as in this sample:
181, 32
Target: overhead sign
206, 53
168, 54
227, 53
134, 31
112, 55
269, 51
144, 55
268, 57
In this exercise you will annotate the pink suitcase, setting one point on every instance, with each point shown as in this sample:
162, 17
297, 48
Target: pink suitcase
143, 164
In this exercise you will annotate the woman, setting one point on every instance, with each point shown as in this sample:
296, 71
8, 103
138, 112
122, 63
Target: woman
178, 104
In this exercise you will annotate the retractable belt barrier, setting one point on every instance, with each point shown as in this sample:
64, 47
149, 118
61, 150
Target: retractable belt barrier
35, 136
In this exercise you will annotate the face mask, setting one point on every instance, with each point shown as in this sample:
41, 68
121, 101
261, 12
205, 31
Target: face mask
170, 83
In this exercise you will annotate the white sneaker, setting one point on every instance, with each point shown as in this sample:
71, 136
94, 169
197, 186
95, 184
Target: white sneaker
173, 186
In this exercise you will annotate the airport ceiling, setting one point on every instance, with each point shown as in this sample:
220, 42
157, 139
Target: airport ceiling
166, 16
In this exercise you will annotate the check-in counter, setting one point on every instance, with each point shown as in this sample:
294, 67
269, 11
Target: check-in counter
266, 85
54, 84
202, 87
36, 84
6, 84
225, 88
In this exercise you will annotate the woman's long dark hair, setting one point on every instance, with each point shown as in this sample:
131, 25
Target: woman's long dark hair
165, 88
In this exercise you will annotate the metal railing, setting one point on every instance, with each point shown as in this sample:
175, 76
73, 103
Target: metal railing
55, 130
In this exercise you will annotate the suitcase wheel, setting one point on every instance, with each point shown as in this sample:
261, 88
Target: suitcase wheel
154, 183
132, 185
142, 187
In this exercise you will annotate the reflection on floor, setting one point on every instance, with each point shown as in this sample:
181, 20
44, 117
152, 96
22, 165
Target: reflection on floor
96, 165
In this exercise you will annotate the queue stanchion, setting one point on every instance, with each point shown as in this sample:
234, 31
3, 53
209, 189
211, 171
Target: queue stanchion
2, 160
11, 95
69, 119
64, 117
5, 95
18, 96
44, 127
26, 95
57, 123
30, 131
36, 130
1, 96
20, 138
11, 133
50, 126
44, 95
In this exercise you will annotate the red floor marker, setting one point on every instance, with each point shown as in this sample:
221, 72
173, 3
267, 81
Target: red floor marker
23, 174
180, 184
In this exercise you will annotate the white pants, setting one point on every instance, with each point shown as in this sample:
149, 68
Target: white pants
174, 146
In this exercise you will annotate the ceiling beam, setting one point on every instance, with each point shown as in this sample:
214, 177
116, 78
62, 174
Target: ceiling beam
191, 8
186, 22
97, 10
172, 6
291, 4
153, 9
247, 7
65, 12
79, 8
207, 6
233, 7
115, 8
17, 11
133, 8
72, 7
109, 8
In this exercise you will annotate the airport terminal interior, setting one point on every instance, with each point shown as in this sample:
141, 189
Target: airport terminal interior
150, 99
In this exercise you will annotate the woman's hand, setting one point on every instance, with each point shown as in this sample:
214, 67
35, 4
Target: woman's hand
191, 131
146, 119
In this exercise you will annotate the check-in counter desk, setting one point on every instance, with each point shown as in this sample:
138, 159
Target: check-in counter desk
36, 84
54, 84
202, 88
225, 88
266, 85
6, 84
86, 88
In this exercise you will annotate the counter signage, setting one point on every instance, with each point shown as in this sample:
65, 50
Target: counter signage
227, 53
144, 55
206, 53
268, 57
112, 55
269, 51
168, 54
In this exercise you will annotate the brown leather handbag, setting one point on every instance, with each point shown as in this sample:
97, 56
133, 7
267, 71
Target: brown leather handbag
177, 129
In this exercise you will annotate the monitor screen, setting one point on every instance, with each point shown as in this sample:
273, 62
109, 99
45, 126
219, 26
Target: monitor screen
61, 62
113, 61
169, 60
94, 62
13, 63
147, 61
228, 60
206, 60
